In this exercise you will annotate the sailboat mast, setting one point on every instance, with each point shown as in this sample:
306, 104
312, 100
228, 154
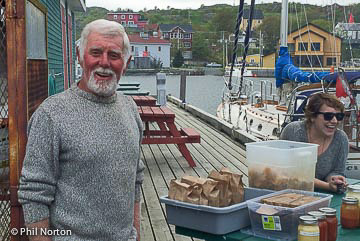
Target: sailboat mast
284, 24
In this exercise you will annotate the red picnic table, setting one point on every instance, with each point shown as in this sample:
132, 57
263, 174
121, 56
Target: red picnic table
168, 133
144, 100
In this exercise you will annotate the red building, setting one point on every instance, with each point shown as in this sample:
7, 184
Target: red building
128, 19
180, 36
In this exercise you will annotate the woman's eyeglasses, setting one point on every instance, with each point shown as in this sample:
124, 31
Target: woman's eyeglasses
328, 116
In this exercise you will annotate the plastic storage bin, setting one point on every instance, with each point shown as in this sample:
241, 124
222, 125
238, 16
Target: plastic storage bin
283, 224
211, 219
279, 165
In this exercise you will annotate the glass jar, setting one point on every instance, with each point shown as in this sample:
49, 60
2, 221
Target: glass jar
321, 218
332, 222
308, 229
354, 191
349, 212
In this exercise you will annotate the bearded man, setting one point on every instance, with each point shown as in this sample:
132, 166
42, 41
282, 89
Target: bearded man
82, 170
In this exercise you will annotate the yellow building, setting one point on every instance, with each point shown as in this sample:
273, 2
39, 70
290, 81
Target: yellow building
269, 61
253, 60
257, 19
312, 46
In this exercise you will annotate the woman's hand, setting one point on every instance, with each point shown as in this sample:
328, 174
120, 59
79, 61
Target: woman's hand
337, 181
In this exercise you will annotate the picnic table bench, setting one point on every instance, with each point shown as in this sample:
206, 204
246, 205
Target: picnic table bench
167, 133
144, 100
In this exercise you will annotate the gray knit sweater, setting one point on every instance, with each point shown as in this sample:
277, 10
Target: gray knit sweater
329, 163
82, 167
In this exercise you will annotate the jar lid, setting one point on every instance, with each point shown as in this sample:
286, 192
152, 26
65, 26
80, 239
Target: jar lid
350, 200
317, 214
354, 188
328, 211
308, 219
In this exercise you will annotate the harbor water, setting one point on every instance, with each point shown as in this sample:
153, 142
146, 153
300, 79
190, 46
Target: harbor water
204, 92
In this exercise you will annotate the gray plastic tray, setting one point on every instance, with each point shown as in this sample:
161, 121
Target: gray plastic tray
211, 219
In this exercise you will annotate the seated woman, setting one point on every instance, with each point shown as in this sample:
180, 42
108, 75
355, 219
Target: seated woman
323, 114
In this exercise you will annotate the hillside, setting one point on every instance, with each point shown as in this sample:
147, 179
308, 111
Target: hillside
211, 22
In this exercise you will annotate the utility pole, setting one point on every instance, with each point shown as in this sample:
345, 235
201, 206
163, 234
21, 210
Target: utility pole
223, 40
226, 52
261, 50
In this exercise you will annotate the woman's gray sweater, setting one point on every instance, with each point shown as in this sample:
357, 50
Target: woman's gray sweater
82, 168
329, 163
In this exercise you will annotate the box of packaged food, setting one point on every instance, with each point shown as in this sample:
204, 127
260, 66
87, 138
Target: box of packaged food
208, 219
276, 216
280, 164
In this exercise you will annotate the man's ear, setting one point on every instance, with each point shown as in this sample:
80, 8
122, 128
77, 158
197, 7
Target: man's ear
78, 56
127, 64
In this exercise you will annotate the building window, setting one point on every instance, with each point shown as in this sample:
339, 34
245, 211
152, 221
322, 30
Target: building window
187, 36
291, 47
131, 22
146, 48
171, 35
187, 45
331, 61
159, 48
130, 16
123, 23
259, 21
303, 46
315, 47
122, 16
132, 48
115, 16
181, 36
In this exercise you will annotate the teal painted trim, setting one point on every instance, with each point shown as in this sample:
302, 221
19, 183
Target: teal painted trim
55, 51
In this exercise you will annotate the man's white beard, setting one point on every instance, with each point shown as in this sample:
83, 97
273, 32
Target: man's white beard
106, 88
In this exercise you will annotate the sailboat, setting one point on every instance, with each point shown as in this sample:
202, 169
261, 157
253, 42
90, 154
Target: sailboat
264, 118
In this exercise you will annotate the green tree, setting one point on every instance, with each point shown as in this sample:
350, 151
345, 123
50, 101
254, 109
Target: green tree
178, 60
200, 47
270, 27
224, 20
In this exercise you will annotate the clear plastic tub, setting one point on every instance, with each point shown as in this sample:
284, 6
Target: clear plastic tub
211, 219
280, 223
280, 164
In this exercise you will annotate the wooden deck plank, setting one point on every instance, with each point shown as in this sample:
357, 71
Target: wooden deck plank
215, 134
234, 158
160, 227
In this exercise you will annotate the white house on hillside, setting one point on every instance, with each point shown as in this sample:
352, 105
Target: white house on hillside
145, 46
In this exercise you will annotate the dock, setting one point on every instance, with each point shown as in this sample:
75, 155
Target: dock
165, 162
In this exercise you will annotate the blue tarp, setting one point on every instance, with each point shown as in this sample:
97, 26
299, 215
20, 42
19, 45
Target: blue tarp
286, 71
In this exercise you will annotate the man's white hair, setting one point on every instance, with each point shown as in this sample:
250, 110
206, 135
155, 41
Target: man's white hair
106, 28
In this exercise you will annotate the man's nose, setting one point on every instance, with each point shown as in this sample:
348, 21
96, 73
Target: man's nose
104, 61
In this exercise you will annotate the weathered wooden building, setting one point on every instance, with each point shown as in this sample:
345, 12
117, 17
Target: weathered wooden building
37, 50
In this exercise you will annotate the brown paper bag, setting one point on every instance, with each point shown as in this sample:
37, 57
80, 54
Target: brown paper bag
236, 185
193, 180
197, 181
187, 193
223, 185
212, 192
178, 190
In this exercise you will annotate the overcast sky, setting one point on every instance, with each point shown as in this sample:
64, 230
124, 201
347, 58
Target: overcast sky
137, 5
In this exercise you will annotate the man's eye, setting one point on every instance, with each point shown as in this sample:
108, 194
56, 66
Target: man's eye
96, 52
115, 55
